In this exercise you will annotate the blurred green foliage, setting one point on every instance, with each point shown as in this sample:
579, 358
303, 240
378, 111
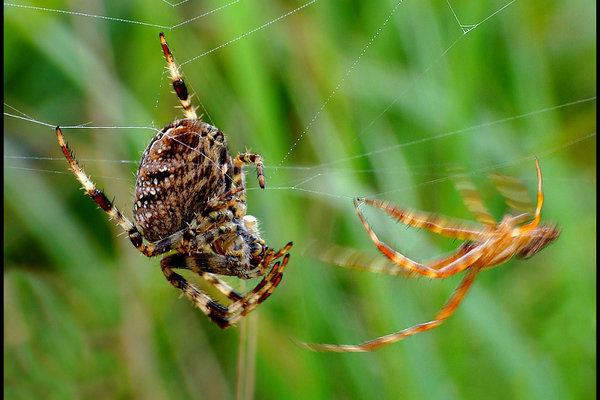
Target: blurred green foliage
335, 116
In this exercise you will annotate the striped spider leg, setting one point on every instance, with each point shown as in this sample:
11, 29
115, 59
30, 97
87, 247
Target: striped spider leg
487, 245
190, 201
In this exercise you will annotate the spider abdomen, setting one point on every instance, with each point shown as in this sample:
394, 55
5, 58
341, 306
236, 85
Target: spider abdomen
184, 166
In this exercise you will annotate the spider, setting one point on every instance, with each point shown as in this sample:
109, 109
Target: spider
190, 199
486, 246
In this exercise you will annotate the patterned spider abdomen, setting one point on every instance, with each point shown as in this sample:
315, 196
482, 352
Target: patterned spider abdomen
185, 165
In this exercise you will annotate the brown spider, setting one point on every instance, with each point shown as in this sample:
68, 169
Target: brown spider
190, 198
486, 246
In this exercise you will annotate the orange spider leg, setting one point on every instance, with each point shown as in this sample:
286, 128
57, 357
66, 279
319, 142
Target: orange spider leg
538, 210
453, 267
446, 311
440, 264
444, 226
356, 259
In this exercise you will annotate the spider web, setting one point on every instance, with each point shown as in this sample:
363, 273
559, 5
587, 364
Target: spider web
310, 175
365, 154
377, 148
406, 131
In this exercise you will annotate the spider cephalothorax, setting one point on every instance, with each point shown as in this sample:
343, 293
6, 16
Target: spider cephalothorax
190, 199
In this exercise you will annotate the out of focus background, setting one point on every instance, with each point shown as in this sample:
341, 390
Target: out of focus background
343, 99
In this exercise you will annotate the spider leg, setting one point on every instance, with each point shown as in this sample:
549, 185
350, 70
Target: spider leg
268, 258
446, 311
208, 306
221, 264
238, 169
260, 293
178, 84
187, 239
242, 305
453, 267
204, 262
221, 286
444, 226
99, 197
471, 198
223, 201
519, 219
239, 179
514, 192
200, 263
355, 259
538, 210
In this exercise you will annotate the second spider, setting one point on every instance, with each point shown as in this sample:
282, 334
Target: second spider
486, 245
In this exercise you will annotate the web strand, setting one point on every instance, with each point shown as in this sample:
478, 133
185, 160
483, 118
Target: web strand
313, 173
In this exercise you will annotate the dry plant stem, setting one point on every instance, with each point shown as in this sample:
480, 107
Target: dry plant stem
246, 358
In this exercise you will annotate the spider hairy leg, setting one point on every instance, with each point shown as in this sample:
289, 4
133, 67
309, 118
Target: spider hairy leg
262, 291
202, 262
201, 300
238, 166
178, 84
222, 286
270, 256
242, 305
100, 198
152, 249
227, 198
283, 251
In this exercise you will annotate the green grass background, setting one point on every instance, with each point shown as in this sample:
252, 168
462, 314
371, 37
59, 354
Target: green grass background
86, 316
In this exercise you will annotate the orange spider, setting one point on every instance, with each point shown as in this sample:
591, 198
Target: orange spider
486, 246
